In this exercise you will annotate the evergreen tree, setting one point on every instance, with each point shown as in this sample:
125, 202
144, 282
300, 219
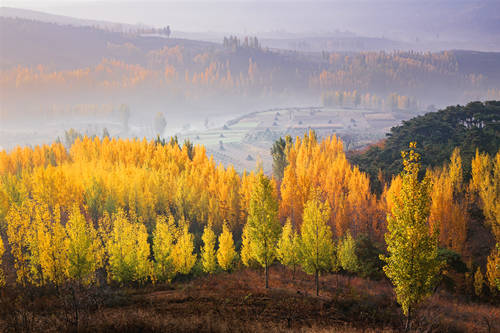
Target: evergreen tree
316, 239
226, 252
279, 153
412, 264
263, 224
208, 250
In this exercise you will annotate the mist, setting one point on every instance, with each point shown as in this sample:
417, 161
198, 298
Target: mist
222, 67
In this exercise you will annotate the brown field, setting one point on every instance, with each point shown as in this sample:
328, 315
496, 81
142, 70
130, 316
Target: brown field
238, 302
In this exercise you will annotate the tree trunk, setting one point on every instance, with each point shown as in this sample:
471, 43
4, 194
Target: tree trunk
267, 277
408, 320
317, 283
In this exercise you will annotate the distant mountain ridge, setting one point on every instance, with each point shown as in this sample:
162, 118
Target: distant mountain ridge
65, 20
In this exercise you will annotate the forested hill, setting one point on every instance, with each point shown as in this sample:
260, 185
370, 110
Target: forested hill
470, 127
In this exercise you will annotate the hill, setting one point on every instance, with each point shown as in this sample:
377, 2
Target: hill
70, 46
34, 15
238, 302
470, 127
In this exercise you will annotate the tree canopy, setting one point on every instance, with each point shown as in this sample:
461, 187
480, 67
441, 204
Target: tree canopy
470, 127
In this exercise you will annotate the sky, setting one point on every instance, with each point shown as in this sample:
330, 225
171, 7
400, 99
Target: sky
405, 20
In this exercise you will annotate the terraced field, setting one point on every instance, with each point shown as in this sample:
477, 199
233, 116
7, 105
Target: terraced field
246, 140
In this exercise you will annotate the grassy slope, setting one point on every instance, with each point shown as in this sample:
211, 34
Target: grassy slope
238, 302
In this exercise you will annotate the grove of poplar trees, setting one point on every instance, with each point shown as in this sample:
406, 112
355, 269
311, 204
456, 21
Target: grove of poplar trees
135, 211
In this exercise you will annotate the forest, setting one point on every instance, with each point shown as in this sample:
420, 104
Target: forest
469, 127
109, 213
148, 72
250, 166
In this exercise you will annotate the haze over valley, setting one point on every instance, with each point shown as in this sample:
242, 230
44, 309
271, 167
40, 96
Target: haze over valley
63, 70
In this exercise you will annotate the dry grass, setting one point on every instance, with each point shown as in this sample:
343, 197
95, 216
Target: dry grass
238, 303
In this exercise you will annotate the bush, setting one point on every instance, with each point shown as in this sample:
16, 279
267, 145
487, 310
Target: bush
368, 253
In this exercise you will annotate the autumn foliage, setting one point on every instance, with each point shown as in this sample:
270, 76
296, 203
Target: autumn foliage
136, 211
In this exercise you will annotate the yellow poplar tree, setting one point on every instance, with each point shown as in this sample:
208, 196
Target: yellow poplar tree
182, 255
478, 282
317, 245
164, 237
128, 251
84, 250
448, 208
288, 251
208, 256
226, 252
347, 254
52, 245
246, 250
2, 275
493, 270
19, 233
486, 183
412, 263
263, 226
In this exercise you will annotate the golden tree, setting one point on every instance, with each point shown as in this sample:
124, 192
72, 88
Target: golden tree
263, 227
85, 251
164, 237
208, 255
226, 254
317, 246
288, 251
52, 245
412, 263
449, 207
183, 257
128, 251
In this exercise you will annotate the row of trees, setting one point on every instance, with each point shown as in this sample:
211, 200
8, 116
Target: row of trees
369, 101
121, 207
179, 74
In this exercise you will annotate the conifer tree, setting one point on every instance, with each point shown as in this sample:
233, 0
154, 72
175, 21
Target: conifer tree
163, 243
316, 239
84, 249
208, 256
182, 255
288, 251
263, 224
412, 263
226, 252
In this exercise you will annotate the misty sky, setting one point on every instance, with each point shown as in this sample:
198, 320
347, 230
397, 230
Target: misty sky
400, 19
